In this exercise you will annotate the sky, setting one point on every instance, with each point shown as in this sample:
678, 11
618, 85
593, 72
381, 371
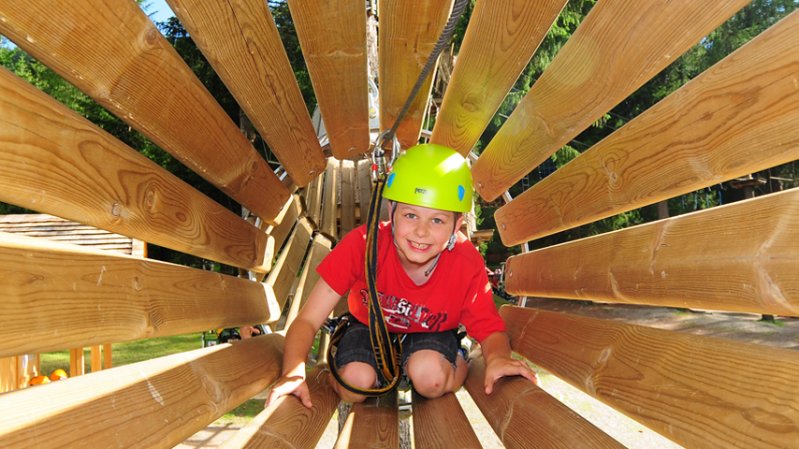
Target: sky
158, 8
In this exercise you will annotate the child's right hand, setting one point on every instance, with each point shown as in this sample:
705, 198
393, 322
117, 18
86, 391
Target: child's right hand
290, 385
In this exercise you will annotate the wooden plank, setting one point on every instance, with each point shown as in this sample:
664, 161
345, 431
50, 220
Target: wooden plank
288, 424
313, 200
739, 257
408, 33
77, 362
700, 392
348, 187
285, 221
333, 40
107, 356
525, 416
135, 73
594, 71
372, 423
329, 204
157, 403
319, 249
364, 189
700, 135
56, 296
441, 424
287, 266
499, 43
240, 40
55, 161
96, 358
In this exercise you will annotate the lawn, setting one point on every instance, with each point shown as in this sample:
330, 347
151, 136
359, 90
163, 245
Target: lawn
127, 353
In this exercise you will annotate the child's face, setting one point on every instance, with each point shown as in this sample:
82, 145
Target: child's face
421, 233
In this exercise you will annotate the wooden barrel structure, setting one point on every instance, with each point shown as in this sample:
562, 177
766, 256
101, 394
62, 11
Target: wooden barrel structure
738, 117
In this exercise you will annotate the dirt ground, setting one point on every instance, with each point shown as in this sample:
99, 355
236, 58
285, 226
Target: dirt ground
783, 333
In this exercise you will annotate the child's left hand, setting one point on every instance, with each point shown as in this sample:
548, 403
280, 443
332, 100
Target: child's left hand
499, 367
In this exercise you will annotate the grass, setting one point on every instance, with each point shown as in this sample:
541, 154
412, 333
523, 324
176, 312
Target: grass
127, 353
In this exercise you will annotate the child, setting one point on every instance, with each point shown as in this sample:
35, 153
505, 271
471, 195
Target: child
430, 279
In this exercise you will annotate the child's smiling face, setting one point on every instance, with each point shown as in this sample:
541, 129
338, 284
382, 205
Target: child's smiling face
422, 233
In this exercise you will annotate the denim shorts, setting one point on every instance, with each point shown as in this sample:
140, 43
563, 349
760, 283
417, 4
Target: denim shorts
355, 345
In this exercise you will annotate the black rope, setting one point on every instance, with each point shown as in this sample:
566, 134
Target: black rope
443, 39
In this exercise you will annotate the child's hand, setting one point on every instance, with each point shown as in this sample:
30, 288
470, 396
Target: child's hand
499, 367
290, 385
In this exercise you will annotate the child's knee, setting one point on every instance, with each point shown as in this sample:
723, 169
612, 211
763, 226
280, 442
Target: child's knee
430, 373
357, 374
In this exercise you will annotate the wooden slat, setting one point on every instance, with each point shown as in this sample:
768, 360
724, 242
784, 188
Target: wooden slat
156, 403
617, 48
441, 424
364, 189
372, 423
135, 73
525, 416
333, 40
77, 362
313, 200
240, 40
55, 161
499, 42
285, 221
319, 249
408, 32
56, 296
702, 134
288, 424
701, 392
740, 257
348, 186
287, 266
329, 206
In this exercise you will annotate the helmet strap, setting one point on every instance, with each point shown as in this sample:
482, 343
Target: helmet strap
451, 242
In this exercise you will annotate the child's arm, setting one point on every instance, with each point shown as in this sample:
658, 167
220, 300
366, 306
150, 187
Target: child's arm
299, 340
499, 363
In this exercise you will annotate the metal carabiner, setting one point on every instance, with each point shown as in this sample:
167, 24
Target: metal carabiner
379, 166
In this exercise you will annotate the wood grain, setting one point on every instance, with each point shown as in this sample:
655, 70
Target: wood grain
741, 257
700, 392
524, 416
329, 204
57, 296
702, 134
408, 33
287, 267
320, 247
333, 40
441, 424
240, 40
617, 48
157, 403
112, 51
499, 43
347, 212
373, 423
288, 424
54, 161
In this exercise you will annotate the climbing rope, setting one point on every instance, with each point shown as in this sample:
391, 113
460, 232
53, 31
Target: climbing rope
387, 348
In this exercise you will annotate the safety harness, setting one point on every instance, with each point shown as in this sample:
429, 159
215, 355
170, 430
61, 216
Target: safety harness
387, 348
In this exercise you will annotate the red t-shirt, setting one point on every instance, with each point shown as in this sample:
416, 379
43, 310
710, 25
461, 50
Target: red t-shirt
458, 291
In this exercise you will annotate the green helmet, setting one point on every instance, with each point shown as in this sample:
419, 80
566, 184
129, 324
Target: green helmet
433, 176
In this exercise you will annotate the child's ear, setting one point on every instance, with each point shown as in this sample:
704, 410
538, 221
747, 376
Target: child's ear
459, 220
